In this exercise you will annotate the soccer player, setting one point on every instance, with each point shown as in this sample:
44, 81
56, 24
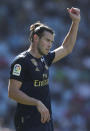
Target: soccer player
28, 84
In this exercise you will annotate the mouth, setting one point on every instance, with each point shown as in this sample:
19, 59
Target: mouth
48, 50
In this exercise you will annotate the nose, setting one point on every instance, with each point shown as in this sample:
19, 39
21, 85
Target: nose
49, 45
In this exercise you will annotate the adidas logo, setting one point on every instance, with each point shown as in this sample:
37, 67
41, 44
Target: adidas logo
37, 69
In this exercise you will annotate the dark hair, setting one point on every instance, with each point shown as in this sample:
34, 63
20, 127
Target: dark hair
38, 28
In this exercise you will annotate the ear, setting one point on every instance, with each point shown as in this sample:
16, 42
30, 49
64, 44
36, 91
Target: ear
35, 37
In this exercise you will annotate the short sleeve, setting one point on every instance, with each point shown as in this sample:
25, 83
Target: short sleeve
17, 70
49, 58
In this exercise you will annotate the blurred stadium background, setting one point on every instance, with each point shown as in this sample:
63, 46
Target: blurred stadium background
69, 78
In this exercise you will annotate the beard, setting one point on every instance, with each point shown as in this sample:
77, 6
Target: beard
40, 50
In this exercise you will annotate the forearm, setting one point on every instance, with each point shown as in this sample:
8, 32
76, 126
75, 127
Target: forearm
23, 98
70, 38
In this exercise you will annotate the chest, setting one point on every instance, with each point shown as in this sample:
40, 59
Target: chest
37, 70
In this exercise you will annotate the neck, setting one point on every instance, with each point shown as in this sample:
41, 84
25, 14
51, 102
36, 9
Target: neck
34, 52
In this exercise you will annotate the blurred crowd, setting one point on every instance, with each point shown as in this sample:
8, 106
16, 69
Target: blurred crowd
69, 78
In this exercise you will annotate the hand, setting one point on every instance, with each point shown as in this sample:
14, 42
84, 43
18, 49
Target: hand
45, 115
74, 14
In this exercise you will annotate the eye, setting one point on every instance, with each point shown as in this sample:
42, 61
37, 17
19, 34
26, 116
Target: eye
48, 40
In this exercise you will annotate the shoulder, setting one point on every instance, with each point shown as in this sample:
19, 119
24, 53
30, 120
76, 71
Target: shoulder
49, 57
50, 54
21, 58
19, 65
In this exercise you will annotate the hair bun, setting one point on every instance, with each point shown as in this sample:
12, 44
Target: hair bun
34, 26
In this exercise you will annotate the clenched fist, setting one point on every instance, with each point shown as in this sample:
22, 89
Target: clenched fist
74, 14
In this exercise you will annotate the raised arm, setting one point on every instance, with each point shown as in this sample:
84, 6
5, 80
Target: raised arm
71, 36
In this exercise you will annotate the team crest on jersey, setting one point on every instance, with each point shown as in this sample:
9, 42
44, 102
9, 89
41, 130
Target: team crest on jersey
17, 70
34, 62
45, 76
